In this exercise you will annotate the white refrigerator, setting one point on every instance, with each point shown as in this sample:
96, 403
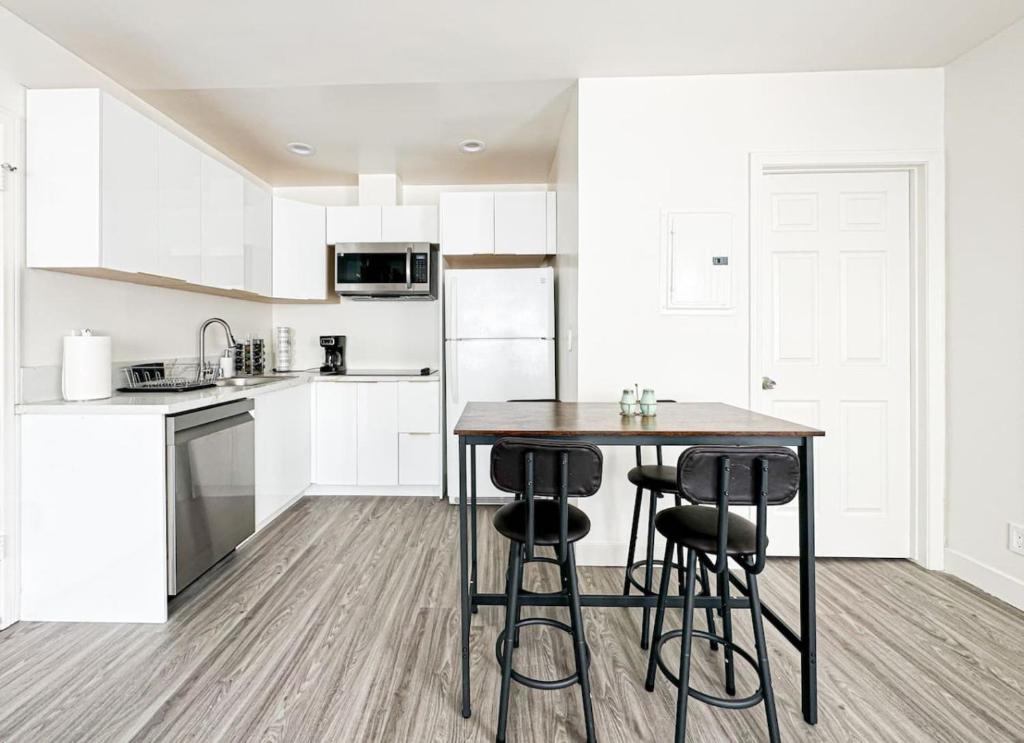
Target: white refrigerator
499, 335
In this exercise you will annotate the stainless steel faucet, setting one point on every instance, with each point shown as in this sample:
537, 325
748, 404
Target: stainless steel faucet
202, 343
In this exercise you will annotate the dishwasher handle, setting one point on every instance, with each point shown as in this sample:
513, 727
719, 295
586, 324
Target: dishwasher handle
194, 418
207, 429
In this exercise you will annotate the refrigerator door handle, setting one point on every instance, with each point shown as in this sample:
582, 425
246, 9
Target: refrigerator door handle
453, 374
455, 307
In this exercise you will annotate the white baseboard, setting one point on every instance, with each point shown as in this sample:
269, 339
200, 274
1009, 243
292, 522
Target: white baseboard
419, 491
291, 502
990, 580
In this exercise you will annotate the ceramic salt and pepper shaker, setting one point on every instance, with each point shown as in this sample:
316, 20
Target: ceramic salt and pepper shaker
627, 402
648, 403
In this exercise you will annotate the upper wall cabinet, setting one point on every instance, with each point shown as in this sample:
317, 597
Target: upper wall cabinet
257, 235
223, 214
467, 223
408, 224
179, 205
373, 224
505, 222
91, 198
353, 224
300, 250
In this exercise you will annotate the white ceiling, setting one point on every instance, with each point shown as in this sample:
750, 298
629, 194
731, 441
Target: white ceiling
250, 75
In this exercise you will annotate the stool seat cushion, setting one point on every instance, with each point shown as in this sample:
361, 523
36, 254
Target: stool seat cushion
658, 477
697, 527
510, 520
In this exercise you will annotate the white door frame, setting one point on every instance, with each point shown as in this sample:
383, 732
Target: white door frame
928, 316
11, 233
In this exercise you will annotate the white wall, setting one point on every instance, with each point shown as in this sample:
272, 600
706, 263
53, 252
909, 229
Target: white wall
985, 315
653, 144
564, 176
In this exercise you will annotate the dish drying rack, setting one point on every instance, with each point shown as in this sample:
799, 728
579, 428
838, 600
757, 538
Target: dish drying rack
168, 377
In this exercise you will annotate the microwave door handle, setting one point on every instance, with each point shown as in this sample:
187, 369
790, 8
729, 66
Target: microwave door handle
408, 268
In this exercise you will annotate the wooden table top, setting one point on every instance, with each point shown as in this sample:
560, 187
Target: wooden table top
603, 419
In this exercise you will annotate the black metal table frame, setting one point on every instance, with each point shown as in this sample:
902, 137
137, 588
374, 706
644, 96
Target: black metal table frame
805, 641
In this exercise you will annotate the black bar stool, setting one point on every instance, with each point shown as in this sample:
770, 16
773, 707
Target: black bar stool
723, 476
658, 479
545, 474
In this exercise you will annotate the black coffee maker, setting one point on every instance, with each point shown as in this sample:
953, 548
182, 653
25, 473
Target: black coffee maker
334, 354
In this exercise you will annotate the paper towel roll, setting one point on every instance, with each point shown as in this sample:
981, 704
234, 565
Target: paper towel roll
86, 372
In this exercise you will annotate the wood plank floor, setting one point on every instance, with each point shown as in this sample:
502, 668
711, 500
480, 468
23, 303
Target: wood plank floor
340, 623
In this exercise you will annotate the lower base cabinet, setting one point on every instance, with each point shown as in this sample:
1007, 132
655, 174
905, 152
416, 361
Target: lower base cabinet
376, 434
419, 458
282, 449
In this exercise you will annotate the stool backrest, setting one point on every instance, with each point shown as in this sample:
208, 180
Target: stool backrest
698, 474
541, 467
726, 476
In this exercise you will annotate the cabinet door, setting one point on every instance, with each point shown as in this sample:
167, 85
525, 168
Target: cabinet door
335, 433
128, 189
282, 448
377, 433
467, 223
353, 224
223, 262
256, 233
419, 458
419, 405
409, 224
300, 250
520, 222
179, 200
552, 223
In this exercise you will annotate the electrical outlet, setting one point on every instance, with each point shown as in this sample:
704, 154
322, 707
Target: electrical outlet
1016, 539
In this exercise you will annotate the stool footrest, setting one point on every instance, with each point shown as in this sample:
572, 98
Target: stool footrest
499, 653
724, 702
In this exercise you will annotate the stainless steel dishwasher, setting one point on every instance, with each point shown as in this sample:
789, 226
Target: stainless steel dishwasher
211, 488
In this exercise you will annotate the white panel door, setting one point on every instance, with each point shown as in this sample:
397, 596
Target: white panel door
129, 189
353, 224
377, 425
334, 433
520, 222
179, 203
500, 303
492, 371
409, 224
467, 223
222, 226
833, 310
257, 238
300, 250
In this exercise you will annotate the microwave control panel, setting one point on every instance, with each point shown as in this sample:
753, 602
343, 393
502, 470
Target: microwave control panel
420, 268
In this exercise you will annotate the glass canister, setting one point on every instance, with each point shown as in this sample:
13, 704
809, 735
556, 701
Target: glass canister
628, 401
648, 402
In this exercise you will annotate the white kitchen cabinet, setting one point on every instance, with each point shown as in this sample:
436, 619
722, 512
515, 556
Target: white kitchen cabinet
223, 210
520, 222
377, 433
353, 224
409, 224
300, 250
467, 223
419, 406
335, 433
179, 202
257, 236
419, 458
91, 198
552, 241
282, 449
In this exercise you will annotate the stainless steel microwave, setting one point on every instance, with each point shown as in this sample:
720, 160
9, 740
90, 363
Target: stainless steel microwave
386, 270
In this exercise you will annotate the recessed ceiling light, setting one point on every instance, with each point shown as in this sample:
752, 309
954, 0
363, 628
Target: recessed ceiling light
300, 148
472, 146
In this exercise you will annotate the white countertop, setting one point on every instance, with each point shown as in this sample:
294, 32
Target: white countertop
169, 403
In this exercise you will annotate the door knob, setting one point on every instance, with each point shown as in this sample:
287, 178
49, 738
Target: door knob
767, 383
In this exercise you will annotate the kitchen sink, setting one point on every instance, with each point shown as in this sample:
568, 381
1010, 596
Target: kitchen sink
248, 381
